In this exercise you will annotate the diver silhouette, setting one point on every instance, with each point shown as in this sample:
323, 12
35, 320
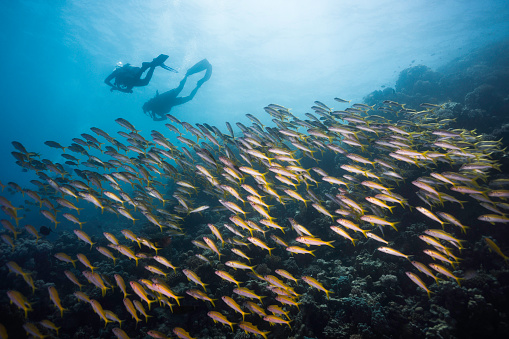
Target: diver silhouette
126, 76
162, 104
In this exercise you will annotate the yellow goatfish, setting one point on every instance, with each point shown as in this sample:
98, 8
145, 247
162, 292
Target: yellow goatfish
227, 276
316, 284
257, 242
53, 294
181, 333
322, 210
84, 237
299, 250
429, 214
445, 271
493, 218
418, 282
210, 243
194, 277
343, 233
234, 306
121, 284
238, 265
30, 328
241, 254
100, 311
218, 317
373, 219
249, 327
140, 291
19, 300
391, 251
286, 274
131, 309
313, 241
84, 260
496, 249
197, 294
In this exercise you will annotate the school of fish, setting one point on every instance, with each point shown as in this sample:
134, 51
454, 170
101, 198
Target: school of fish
249, 179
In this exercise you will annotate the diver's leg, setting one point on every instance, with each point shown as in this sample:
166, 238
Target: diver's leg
154, 63
183, 100
206, 77
171, 95
151, 66
179, 89
146, 80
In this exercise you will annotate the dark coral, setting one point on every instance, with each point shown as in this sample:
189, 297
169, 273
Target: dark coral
478, 84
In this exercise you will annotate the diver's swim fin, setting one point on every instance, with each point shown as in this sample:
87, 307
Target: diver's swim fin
168, 68
199, 66
159, 60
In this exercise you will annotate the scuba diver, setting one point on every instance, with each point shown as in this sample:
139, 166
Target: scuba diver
162, 104
126, 76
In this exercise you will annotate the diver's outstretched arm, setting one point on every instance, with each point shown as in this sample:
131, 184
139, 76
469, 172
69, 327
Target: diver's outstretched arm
110, 77
125, 90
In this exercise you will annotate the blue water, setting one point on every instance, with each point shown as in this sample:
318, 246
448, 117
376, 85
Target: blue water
56, 55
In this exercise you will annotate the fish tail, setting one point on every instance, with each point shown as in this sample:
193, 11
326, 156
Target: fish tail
17, 219
149, 302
